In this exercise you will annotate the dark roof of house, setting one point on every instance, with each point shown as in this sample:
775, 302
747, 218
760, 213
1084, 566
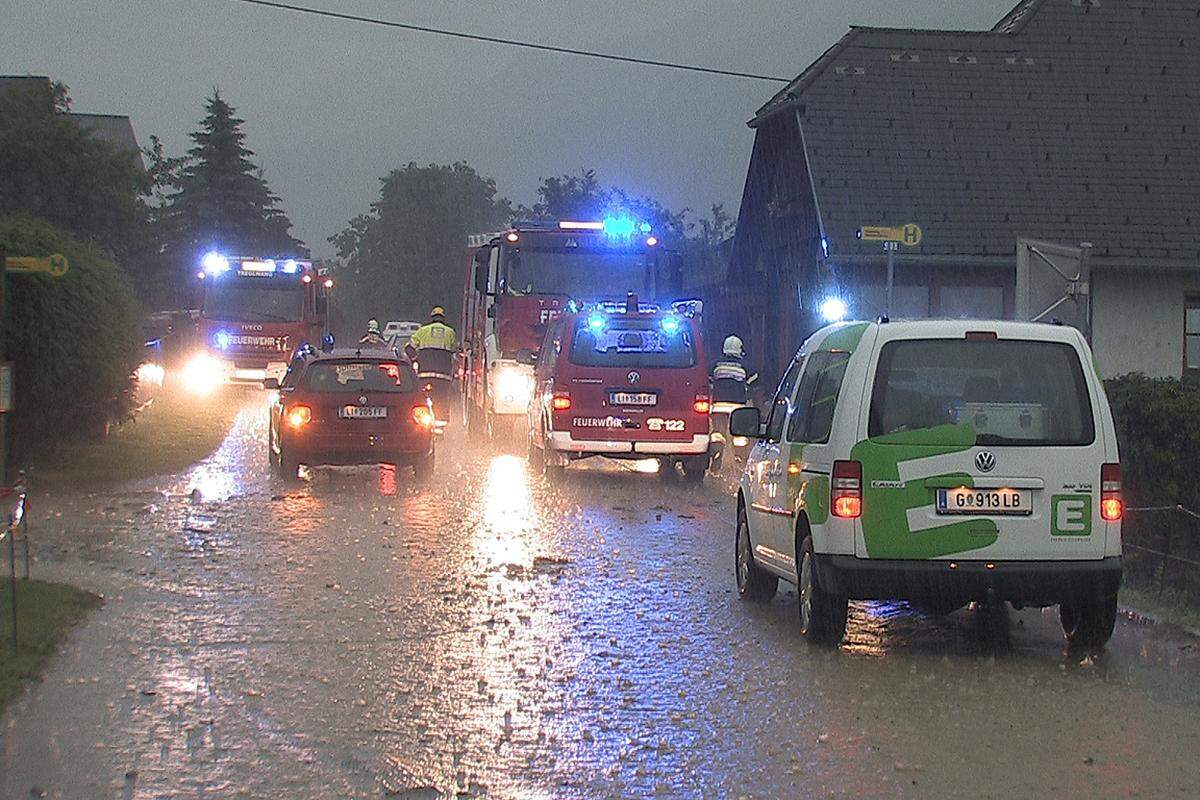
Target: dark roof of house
112, 128
115, 129
1070, 120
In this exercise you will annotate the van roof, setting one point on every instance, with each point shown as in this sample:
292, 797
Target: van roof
946, 328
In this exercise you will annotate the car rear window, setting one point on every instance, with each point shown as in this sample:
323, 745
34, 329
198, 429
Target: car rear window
359, 376
1012, 392
632, 343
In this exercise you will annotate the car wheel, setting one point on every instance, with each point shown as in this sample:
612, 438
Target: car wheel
694, 469
537, 457
289, 467
753, 582
1088, 621
822, 615
423, 467
272, 462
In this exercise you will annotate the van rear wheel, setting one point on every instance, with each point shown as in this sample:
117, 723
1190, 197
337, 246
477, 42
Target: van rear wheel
694, 469
753, 582
1089, 620
822, 615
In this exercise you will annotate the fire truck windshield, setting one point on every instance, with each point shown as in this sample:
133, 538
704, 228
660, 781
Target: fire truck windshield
235, 301
587, 273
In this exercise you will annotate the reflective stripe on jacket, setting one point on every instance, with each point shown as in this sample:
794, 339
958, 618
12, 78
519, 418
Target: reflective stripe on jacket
729, 370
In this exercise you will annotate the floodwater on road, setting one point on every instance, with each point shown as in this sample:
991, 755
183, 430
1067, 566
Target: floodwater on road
496, 634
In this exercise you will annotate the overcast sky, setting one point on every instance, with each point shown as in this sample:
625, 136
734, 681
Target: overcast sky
331, 106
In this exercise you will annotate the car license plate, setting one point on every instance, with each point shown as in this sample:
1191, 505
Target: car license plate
633, 398
363, 412
989, 502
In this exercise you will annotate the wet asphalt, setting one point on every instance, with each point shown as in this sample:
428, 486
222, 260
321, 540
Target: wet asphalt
496, 634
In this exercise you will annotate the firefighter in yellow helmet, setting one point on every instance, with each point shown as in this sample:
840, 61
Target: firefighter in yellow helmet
432, 348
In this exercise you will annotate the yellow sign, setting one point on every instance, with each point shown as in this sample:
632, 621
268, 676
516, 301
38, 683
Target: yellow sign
55, 265
909, 235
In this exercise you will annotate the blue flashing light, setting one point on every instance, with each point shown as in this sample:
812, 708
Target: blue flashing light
670, 325
214, 263
221, 340
833, 309
619, 226
645, 227
824, 247
290, 266
596, 322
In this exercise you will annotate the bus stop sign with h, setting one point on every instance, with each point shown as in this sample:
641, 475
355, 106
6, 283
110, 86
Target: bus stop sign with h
909, 235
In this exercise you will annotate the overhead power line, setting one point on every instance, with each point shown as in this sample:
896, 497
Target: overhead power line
548, 48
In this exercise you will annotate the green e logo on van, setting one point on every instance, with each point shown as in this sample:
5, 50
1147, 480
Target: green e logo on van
1072, 515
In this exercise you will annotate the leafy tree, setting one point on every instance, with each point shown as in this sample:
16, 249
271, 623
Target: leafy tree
223, 202
407, 254
54, 169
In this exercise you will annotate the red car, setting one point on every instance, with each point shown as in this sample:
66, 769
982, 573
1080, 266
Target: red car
625, 380
350, 406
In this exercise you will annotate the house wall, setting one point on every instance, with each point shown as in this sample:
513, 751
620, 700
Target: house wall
1137, 321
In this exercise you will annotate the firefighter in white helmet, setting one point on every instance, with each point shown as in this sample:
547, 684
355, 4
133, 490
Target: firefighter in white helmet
729, 373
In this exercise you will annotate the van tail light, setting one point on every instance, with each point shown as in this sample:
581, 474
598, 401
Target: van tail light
561, 401
1112, 508
702, 404
299, 416
423, 416
846, 492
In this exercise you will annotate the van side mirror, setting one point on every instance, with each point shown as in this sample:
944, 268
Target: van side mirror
271, 383
527, 357
746, 421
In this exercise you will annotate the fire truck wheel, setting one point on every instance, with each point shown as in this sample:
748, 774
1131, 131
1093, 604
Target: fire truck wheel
287, 466
537, 458
694, 468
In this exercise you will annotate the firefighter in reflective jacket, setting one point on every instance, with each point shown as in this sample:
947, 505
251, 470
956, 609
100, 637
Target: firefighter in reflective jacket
729, 374
432, 347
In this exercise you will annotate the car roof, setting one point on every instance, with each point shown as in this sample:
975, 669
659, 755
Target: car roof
378, 352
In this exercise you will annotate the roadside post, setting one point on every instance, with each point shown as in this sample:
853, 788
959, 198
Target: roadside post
909, 235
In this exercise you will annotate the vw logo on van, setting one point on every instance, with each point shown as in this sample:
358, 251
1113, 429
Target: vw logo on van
635, 376
362, 400
985, 461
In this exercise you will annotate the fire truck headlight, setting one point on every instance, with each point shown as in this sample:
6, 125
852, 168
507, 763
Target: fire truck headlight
202, 375
214, 263
514, 385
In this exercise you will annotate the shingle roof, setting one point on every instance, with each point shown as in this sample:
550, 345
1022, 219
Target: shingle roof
1071, 120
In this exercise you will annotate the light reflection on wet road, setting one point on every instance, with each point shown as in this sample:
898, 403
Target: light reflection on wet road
496, 635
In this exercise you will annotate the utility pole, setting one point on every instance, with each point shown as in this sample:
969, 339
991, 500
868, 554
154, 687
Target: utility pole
891, 274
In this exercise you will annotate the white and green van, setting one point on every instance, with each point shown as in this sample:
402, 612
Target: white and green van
940, 462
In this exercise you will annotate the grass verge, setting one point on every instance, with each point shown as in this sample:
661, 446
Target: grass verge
45, 613
1170, 606
170, 434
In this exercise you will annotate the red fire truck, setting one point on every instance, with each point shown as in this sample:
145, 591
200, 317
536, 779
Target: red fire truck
254, 313
520, 278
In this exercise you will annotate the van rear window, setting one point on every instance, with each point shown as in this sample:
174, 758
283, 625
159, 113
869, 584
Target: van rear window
1020, 393
632, 343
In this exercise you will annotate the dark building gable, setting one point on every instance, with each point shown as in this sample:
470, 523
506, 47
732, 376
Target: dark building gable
1071, 120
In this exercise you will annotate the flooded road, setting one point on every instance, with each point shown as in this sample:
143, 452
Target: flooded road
493, 634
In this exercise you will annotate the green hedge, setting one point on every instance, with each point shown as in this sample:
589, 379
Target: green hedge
75, 341
1158, 429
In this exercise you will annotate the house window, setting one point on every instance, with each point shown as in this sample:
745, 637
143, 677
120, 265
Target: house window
1191, 335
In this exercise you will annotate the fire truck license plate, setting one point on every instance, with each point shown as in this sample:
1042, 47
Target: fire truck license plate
364, 412
989, 502
633, 398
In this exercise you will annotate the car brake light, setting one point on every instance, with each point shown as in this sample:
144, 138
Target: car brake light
423, 416
299, 416
1112, 508
702, 405
846, 491
561, 401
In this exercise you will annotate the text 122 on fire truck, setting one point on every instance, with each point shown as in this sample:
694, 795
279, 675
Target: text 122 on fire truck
254, 312
520, 278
